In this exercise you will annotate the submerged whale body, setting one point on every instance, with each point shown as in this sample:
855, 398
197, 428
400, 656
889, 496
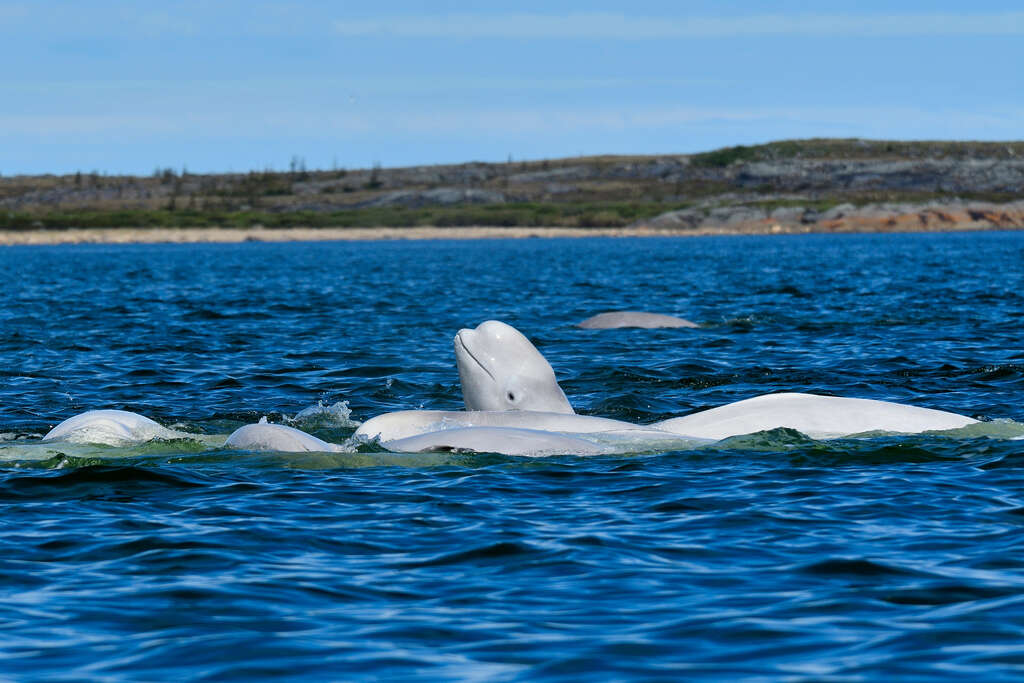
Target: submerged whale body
502, 440
402, 424
613, 320
110, 428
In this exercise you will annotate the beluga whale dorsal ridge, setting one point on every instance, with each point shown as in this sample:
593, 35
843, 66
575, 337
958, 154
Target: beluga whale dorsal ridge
501, 370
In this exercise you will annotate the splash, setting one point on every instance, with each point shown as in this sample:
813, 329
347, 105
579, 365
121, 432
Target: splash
320, 416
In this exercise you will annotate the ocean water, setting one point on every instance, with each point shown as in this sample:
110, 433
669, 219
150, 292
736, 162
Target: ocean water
767, 557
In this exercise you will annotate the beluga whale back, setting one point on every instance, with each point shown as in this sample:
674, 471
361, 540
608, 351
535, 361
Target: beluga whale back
110, 428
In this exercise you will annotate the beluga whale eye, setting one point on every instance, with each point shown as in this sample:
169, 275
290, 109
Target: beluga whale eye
514, 392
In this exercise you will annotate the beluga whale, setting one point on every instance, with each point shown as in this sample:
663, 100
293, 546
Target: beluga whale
506, 384
500, 369
263, 436
110, 428
614, 320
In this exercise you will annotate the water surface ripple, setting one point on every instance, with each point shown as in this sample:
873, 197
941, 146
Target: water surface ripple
769, 557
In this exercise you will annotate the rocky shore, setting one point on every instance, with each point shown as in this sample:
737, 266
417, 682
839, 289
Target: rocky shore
935, 216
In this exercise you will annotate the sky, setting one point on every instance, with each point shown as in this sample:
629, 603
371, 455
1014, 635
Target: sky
127, 87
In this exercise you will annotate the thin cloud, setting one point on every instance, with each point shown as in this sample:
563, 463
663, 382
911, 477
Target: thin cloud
606, 26
10, 12
891, 121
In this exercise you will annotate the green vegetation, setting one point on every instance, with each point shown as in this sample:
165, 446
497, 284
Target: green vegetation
834, 149
721, 158
526, 214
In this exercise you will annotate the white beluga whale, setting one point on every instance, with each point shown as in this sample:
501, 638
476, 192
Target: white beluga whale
613, 320
264, 436
110, 428
819, 417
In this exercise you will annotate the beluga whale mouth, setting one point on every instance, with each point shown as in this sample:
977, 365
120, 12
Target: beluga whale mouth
460, 345
500, 369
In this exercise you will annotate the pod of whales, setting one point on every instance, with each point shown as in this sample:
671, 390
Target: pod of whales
515, 406
495, 356
613, 320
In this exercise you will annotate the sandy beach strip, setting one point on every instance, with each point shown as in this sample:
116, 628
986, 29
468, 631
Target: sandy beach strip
232, 235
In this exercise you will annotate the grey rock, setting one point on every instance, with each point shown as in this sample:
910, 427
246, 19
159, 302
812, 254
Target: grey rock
930, 175
441, 196
837, 212
554, 175
731, 215
788, 214
675, 220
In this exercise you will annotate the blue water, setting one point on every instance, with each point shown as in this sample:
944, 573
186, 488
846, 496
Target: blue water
775, 557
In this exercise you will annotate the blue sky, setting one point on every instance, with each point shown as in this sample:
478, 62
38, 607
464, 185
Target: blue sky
124, 87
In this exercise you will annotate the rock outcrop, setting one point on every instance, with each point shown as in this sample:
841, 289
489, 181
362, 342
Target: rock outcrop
889, 217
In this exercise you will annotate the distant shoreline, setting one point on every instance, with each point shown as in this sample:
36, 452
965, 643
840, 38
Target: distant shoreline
381, 234
784, 187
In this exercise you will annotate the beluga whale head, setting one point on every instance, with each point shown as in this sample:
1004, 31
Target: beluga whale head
501, 370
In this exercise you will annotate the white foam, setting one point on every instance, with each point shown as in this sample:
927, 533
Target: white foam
337, 415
